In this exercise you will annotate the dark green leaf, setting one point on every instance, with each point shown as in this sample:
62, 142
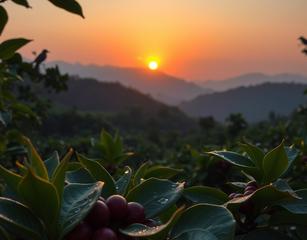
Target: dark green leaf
201, 194
266, 234
296, 206
140, 173
162, 172
4, 235
3, 19
79, 176
51, 163
69, 5
275, 163
99, 173
156, 195
233, 158
204, 221
11, 179
9, 47
254, 153
78, 199
123, 183
20, 220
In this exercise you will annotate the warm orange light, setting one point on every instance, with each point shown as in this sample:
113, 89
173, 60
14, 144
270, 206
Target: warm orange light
153, 65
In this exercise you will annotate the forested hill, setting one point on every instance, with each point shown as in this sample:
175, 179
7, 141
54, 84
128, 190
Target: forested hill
255, 103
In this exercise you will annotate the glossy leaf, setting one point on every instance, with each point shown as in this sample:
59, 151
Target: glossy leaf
79, 176
162, 172
140, 173
20, 220
4, 235
9, 47
123, 182
3, 19
99, 173
275, 163
51, 163
201, 194
11, 179
78, 199
254, 153
41, 196
296, 206
234, 158
204, 221
157, 232
156, 195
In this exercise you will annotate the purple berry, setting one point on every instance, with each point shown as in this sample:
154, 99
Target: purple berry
250, 188
135, 213
248, 192
81, 232
104, 234
232, 195
118, 207
252, 183
99, 215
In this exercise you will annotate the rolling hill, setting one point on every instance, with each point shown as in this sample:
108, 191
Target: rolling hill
160, 86
255, 103
253, 79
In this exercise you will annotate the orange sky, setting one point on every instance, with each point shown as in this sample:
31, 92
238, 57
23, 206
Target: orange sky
195, 39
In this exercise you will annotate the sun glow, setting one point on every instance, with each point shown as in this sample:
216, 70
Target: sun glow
153, 63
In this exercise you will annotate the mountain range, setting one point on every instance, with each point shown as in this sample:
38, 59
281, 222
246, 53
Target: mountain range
252, 79
254, 102
162, 87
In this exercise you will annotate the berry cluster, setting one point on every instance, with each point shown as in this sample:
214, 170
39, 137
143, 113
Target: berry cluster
106, 217
250, 188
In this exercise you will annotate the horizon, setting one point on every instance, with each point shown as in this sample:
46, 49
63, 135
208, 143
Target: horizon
190, 39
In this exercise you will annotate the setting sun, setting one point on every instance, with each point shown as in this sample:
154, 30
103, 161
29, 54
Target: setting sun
153, 65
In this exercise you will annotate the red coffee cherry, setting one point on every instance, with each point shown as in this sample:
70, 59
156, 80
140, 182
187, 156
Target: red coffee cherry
104, 234
135, 213
81, 232
118, 207
99, 215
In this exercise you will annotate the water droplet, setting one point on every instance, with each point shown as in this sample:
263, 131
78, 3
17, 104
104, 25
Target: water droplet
163, 200
127, 171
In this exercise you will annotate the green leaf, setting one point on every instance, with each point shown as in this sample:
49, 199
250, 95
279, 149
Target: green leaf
20, 220
11, 179
162, 172
79, 176
78, 199
288, 218
9, 47
157, 232
58, 178
51, 163
254, 153
99, 173
233, 158
3, 19
4, 235
140, 173
123, 183
275, 163
206, 222
201, 194
41, 196
296, 206
22, 3
69, 5
156, 195
35, 160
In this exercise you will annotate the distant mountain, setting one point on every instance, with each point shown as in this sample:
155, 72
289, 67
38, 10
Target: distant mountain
253, 79
160, 86
255, 103
89, 95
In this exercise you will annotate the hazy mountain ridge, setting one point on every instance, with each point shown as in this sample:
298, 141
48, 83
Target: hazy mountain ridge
162, 87
255, 102
253, 79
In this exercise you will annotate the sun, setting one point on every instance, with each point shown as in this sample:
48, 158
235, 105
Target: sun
153, 65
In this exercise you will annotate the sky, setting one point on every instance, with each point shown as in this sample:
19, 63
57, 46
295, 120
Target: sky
195, 39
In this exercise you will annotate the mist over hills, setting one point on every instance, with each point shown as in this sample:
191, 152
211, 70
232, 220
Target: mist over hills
160, 86
253, 79
255, 103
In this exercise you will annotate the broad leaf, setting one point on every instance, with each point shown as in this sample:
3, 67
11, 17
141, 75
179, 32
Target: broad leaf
122, 184
296, 206
78, 199
41, 196
162, 172
35, 160
3, 19
51, 163
156, 195
157, 232
4, 235
20, 220
233, 158
140, 173
69, 5
11, 179
266, 234
9, 47
275, 163
99, 173
201, 194
254, 153
79, 176
216, 221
